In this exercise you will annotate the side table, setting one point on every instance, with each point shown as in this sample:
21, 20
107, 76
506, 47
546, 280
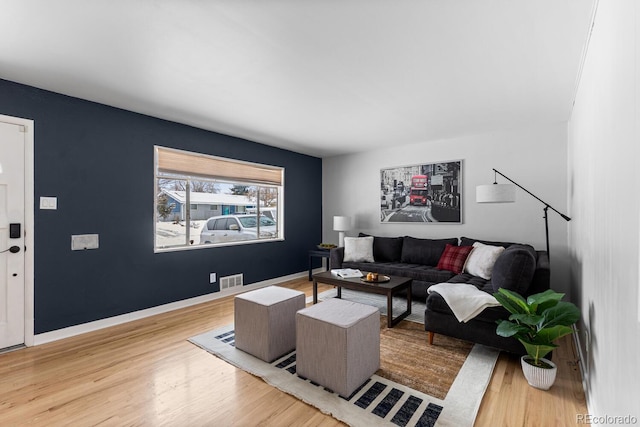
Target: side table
319, 253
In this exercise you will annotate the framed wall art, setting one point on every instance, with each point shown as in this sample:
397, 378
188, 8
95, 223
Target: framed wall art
424, 193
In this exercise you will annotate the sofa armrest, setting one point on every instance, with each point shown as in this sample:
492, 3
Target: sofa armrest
336, 255
542, 260
542, 276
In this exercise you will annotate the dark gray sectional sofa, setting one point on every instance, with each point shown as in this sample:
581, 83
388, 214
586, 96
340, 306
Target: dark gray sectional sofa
519, 268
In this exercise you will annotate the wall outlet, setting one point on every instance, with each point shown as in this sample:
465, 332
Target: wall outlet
81, 242
212, 278
49, 203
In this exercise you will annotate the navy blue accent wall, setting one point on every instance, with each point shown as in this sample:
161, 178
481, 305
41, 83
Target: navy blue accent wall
98, 161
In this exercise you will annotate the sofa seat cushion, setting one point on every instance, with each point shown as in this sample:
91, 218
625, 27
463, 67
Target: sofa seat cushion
419, 272
477, 281
425, 273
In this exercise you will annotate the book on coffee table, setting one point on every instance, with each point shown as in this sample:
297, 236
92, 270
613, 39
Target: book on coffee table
347, 273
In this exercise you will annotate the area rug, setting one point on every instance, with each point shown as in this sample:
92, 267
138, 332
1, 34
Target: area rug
401, 393
434, 371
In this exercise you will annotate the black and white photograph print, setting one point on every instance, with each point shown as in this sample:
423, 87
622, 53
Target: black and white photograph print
423, 193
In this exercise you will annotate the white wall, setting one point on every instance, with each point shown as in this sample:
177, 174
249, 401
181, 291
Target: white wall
604, 176
536, 158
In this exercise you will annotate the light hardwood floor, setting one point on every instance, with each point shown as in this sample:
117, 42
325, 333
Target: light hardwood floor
146, 373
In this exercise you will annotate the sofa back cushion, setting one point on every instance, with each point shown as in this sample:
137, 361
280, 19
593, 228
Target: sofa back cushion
386, 249
514, 269
467, 241
424, 251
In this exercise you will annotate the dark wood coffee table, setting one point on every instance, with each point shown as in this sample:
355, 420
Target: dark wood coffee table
390, 288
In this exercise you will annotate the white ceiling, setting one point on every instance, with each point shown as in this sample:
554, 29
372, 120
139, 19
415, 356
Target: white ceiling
323, 77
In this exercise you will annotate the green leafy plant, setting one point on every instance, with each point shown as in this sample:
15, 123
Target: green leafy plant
537, 321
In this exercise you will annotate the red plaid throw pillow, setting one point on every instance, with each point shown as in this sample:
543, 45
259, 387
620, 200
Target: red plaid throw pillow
454, 257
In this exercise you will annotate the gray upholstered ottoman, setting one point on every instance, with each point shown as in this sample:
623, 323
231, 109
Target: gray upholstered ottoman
265, 324
338, 344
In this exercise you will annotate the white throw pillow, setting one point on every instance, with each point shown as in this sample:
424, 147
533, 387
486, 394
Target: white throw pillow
358, 249
481, 259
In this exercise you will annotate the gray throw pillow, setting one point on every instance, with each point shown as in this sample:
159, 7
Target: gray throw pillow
482, 259
358, 249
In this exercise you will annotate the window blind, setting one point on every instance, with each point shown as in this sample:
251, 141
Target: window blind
201, 165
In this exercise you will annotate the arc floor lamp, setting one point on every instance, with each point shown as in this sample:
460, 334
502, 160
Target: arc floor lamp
505, 193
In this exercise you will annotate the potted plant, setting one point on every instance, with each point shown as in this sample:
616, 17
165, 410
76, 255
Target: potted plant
537, 322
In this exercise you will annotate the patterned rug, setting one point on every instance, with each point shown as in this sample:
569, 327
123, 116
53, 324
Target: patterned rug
389, 397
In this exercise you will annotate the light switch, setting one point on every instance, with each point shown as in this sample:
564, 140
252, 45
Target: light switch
49, 203
81, 242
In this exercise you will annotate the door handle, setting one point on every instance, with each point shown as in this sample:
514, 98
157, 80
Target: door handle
14, 249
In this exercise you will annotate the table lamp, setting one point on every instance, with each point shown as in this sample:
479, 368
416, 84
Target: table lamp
341, 224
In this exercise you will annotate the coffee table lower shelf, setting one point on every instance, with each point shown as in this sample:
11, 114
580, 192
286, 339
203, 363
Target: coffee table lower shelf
395, 285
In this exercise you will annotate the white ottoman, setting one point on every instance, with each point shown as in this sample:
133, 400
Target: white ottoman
338, 344
264, 321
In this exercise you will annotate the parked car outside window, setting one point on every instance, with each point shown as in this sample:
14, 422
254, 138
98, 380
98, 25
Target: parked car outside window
233, 228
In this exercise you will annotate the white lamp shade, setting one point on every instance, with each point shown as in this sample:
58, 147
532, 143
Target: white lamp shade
341, 223
495, 193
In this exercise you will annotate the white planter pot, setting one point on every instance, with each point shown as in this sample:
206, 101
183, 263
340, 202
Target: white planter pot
541, 378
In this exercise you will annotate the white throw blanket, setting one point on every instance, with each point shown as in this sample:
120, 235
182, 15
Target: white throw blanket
466, 301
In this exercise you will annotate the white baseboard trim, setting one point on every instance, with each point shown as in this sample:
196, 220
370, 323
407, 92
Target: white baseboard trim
72, 331
582, 364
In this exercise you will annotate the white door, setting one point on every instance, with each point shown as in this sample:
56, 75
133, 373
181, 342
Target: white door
12, 222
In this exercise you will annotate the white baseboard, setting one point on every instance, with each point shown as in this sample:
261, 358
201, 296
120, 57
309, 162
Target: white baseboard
72, 331
582, 364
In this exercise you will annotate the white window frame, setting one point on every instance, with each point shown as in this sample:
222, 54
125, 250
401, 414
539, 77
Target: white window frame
163, 157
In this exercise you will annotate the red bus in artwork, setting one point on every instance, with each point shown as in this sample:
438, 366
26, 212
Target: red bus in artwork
418, 193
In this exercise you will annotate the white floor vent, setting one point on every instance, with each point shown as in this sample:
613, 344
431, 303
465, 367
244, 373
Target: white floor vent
231, 281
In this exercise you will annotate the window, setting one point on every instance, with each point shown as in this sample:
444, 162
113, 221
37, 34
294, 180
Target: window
204, 200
